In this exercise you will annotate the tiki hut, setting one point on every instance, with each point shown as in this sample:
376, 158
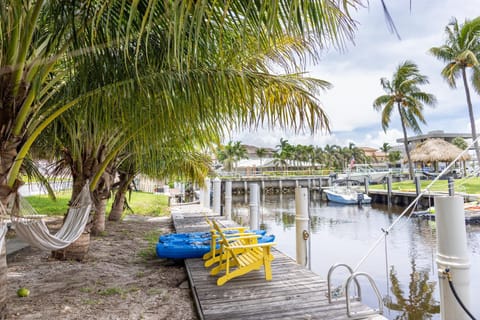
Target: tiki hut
435, 151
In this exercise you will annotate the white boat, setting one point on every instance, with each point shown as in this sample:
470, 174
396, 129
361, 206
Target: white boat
346, 195
361, 171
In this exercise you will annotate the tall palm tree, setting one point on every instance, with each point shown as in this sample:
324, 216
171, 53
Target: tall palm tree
403, 92
461, 51
180, 71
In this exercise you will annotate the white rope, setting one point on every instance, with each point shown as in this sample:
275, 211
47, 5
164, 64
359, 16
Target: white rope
34, 230
410, 206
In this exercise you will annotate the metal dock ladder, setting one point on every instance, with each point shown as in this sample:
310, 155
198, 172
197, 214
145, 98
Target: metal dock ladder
353, 277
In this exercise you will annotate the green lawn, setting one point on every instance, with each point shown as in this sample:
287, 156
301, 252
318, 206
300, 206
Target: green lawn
142, 203
467, 185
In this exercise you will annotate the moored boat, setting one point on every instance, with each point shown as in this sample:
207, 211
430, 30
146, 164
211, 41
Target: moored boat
346, 195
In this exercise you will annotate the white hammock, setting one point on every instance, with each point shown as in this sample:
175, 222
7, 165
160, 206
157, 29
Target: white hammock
31, 227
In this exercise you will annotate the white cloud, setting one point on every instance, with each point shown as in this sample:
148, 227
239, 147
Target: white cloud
356, 75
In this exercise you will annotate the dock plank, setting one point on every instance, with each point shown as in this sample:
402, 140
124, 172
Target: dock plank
294, 292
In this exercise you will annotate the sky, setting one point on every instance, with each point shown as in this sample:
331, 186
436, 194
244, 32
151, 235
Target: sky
376, 52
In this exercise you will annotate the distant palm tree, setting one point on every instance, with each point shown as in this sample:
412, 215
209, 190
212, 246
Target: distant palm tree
461, 51
261, 153
394, 156
230, 154
403, 92
386, 147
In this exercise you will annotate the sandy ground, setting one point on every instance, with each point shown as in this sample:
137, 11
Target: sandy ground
118, 280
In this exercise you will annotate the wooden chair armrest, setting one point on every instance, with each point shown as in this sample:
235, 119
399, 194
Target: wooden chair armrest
253, 236
252, 246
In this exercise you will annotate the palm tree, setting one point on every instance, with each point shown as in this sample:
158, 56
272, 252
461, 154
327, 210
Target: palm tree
386, 147
404, 93
261, 153
231, 153
181, 69
461, 51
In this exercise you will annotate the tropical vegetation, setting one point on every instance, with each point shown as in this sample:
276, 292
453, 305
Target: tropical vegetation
189, 70
461, 52
287, 155
404, 94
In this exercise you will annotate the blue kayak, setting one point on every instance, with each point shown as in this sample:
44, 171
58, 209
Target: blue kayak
198, 236
192, 247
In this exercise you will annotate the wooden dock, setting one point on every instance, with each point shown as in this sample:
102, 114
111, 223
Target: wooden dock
294, 293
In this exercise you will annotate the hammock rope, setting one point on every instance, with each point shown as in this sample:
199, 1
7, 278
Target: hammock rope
32, 228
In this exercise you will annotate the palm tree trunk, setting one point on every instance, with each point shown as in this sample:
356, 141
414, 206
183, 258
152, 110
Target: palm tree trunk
98, 225
8, 157
78, 249
470, 113
3, 282
405, 142
100, 198
119, 201
117, 206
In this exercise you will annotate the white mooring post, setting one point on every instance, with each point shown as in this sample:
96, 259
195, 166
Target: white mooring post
452, 256
202, 197
254, 206
228, 200
217, 194
206, 194
301, 221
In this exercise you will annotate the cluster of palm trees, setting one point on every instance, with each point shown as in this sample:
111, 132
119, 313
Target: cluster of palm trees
112, 88
461, 52
331, 157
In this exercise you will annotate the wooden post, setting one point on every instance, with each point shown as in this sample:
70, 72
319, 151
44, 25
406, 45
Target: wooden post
451, 189
301, 222
418, 189
217, 193
389, 190
254, 205
228, 199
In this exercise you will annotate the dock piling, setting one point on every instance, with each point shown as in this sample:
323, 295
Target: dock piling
301, 221
452, 257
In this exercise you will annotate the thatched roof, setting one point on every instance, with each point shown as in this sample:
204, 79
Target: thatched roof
432, 150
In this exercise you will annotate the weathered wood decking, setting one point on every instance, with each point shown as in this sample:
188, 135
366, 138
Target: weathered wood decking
294, 292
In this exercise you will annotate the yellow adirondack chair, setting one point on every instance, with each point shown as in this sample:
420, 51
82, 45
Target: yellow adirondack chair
215, 254
239, 259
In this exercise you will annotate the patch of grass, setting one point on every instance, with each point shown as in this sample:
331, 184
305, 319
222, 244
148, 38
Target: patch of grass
91, 302
149, 204
43, 204
152, 238
111, 291
142, 203
467, 185
86, 290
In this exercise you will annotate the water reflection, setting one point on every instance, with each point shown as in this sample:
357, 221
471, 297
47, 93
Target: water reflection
418, 302
344, 234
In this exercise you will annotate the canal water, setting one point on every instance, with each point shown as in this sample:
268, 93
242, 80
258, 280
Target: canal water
403, 266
